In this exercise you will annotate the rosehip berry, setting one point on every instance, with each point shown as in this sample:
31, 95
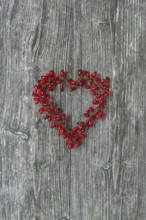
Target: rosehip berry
91, 109
36, 100
106, 79
87, 74
51, 104
53, 125
63, 116
59, 127
73, 88
58, 110
94, 74
93, 93
95, 101
61, 73
67, 142
81, 82
82, 135
80, 72
41, 110
49, 118
48, 110
51, 73
44, 103
78, 142
80, 123
86, 115
98, 96
47, 97
65, 136
89, 123
72, 82
106, 94
94, 87
101, 105
90, 81
61, 88
49, 87
100, 113
42, 92
71, 146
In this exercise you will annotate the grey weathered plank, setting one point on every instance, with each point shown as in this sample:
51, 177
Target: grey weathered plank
105, 178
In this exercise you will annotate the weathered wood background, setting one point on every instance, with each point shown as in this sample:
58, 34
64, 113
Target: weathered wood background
104, 179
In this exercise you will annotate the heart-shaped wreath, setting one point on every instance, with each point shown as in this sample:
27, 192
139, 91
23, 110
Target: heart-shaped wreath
97, 87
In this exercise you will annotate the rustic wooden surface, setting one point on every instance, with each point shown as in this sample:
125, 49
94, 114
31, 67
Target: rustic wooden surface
105, 179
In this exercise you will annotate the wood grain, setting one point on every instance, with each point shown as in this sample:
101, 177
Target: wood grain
105, 178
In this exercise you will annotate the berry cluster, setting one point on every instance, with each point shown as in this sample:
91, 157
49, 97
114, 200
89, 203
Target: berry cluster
97, 87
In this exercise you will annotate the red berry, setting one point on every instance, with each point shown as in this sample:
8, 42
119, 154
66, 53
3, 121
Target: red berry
75, 129
102, 100
63, 116
100, 113
88, 87
72, 82
53, 125
49, 118
61, 88
81, 82
47, 97
51, 73
44, 103
42, 92
80, 123
86, 115
41, 110
94, 87
94, 74
80, 72
82, 135
36, 100
65, 136
67, 142
73, 88
106, 79
70, 136
106, 91
61, 132
59, 127
91, 109
97, 116
48, 110
87, 74
90, 81
49, 87
95, 101
61, 73
89, 123
93, 92
57, 115
101, 105
98, 96
71, 146
81, 130
78, 142
51, 104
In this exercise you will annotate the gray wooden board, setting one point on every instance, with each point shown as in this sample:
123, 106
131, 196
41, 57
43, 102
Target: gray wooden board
105, 178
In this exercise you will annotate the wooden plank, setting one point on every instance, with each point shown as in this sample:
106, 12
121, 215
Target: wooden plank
104, 179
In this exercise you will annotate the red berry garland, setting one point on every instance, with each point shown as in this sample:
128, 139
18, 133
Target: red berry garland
98, 88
